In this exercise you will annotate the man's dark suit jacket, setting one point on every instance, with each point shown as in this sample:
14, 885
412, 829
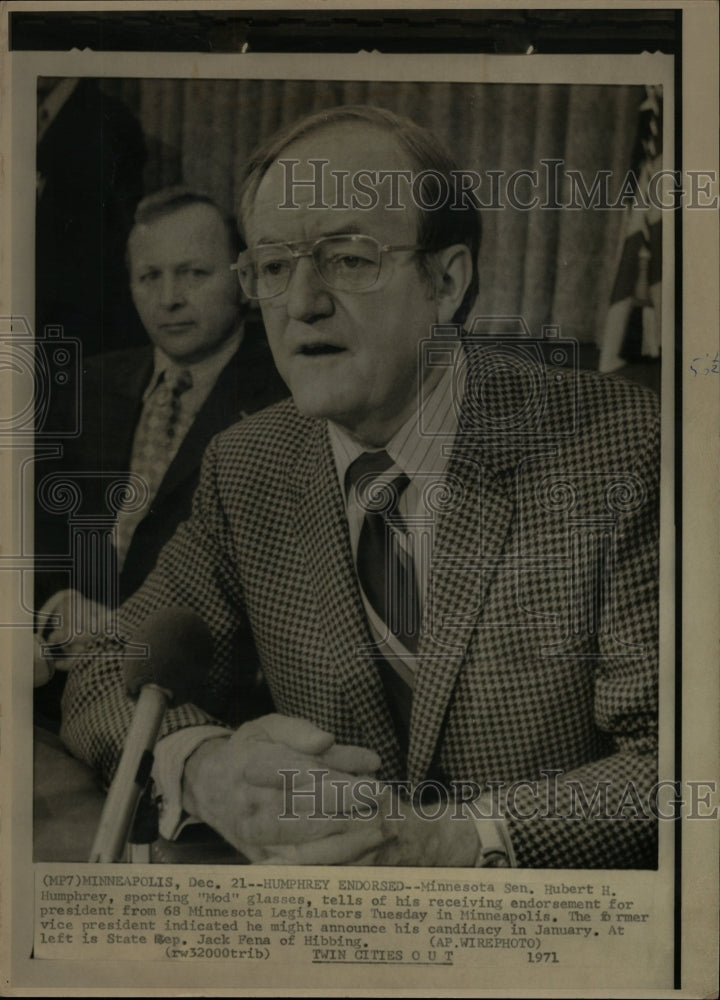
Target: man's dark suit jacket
112, 390
541, 651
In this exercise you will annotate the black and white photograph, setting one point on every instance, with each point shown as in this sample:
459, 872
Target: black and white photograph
349, 444
534, 449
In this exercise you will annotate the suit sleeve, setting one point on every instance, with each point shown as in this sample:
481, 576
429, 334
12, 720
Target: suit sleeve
602, 815
195, 571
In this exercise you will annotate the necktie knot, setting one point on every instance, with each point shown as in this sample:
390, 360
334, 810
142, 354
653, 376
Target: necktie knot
180, 381
369, 464
375, 492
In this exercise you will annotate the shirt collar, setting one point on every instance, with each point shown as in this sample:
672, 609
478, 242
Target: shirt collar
204, 373
422, 443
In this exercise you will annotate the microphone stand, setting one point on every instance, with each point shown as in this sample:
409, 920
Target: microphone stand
133, 772
180, 647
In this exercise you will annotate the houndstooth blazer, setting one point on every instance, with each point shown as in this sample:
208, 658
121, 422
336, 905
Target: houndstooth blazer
540, 633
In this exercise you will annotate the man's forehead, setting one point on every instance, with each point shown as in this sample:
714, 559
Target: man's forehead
196, 224
344, 169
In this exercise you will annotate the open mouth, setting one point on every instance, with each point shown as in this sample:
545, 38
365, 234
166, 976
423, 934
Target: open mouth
314, 350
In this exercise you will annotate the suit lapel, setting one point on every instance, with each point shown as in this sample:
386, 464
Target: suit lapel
468, 543
322, 529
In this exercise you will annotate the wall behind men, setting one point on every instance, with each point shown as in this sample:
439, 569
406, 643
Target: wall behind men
549, 266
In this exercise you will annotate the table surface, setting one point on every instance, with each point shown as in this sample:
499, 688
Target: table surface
67, 803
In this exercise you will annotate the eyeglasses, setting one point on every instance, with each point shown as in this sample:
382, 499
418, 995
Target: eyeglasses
344, 263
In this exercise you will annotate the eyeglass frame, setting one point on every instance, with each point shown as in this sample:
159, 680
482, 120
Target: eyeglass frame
309, 251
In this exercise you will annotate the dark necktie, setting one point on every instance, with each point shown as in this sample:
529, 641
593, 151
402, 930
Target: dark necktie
386, 570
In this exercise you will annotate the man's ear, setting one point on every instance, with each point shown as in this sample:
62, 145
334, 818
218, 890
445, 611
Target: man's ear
454, 269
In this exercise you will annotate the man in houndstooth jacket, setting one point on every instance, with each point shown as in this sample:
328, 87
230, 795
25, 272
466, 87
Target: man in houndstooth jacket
523, 720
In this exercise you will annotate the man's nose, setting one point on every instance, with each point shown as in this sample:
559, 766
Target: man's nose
172, 291
308, 297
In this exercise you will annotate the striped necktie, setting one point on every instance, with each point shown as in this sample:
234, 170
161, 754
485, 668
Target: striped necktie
386, 569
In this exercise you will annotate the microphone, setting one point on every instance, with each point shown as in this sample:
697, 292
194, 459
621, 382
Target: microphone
181, 649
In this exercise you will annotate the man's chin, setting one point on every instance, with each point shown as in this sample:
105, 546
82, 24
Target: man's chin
311, 401
317, 408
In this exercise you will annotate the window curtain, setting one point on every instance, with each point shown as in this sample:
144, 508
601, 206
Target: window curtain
546, 265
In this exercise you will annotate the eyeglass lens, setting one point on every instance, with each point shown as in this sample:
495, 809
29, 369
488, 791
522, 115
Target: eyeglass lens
345, 263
